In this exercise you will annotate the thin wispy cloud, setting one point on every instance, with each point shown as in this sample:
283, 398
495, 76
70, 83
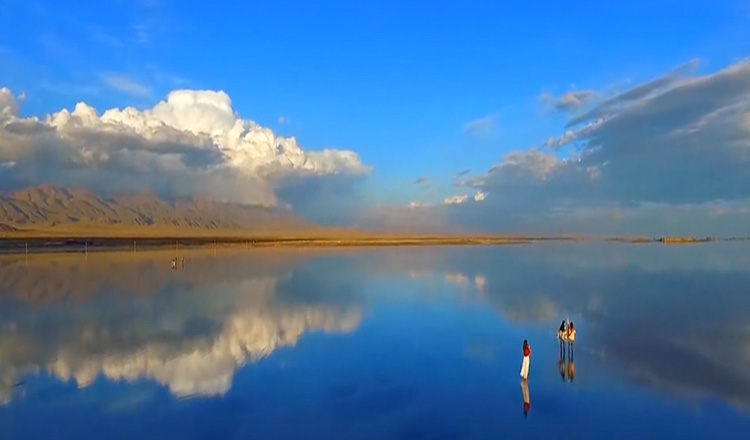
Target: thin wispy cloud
127, 85
101, 37
58, 48
420, 180
141, 34
166, 78
481, 126
69, 89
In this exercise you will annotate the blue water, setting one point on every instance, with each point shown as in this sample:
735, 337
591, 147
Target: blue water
403, 343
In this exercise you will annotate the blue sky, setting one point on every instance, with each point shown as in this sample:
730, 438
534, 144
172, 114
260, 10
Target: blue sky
395, 82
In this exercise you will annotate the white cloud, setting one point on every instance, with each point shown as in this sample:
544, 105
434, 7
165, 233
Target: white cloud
8, 104
453, 200
191, 143
125, 84
463, 198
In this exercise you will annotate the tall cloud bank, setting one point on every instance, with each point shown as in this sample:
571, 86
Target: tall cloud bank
192, 143
669, 145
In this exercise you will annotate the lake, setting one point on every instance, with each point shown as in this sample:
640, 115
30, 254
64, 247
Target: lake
380, 343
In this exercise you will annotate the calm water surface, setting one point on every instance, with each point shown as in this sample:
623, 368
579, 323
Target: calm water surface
421, 343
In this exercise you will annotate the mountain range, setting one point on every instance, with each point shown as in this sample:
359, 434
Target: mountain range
48, 209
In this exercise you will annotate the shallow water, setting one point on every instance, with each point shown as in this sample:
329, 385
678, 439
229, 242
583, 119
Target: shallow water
403, 343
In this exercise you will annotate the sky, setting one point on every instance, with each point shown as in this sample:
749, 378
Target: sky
548, 117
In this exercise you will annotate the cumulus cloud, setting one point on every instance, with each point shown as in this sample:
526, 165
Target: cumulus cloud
193, 142
674, 140
8, 104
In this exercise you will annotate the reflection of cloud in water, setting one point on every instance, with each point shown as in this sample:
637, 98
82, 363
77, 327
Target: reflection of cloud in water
536, 310
206, 370
672, 317
694, 367
189, 337
480, 281
457, 278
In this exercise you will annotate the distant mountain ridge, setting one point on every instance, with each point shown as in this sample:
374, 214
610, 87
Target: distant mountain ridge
48, 207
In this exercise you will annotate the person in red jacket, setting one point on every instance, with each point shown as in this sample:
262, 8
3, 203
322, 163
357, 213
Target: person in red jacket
526, 360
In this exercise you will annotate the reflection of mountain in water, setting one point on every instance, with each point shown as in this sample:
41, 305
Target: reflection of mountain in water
54, 277
188, 336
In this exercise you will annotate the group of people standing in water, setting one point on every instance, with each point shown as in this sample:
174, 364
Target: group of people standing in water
566, 334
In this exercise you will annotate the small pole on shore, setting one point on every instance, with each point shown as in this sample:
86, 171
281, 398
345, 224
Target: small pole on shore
134, 248
86, 249
27, 251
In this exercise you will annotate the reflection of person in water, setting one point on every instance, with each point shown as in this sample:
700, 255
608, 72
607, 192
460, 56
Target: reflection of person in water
571, 370
526, 360
526, 397
562, 366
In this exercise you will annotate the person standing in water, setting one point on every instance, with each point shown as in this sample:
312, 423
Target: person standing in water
562, 336
571, 339
526, 360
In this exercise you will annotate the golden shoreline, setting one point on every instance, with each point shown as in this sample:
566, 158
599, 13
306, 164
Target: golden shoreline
18, 243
